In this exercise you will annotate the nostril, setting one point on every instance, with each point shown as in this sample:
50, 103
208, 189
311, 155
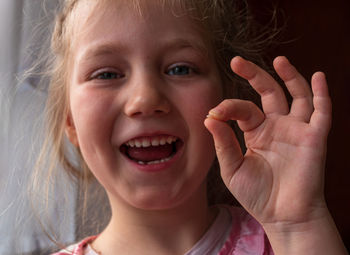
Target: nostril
147, 113
159, 111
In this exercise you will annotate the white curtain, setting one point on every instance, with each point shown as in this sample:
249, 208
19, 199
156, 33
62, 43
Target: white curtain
21, 107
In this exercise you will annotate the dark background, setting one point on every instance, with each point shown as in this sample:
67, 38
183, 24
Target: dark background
319, 40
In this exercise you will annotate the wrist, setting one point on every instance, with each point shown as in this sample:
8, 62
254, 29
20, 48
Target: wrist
318, 235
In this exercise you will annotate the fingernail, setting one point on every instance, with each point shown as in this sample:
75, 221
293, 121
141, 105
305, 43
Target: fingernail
215, 114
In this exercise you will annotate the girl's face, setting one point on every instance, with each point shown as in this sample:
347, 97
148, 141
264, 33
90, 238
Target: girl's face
142, 79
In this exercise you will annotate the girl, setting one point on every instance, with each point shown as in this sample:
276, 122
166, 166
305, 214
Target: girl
133, 82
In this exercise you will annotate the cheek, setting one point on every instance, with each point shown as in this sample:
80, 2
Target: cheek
199, 100
196, 107
92, 115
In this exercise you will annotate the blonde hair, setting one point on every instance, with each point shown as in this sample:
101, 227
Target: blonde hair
229, 29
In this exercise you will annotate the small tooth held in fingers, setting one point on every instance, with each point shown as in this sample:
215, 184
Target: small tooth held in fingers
209, 116
214, 115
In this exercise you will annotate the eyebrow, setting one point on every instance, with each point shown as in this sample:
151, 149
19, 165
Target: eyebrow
100, 50
181, 43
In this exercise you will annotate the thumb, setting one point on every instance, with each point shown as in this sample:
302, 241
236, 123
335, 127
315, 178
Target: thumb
227, 147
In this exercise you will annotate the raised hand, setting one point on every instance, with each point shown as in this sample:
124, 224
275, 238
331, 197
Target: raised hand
280, 177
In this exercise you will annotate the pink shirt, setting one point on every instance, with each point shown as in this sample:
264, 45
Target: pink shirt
234, 232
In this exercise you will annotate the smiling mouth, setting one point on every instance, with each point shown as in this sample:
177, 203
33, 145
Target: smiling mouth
151, 150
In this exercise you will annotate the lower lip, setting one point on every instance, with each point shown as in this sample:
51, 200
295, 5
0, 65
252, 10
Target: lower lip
152, 168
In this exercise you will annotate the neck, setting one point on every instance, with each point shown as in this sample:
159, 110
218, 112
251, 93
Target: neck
170, 231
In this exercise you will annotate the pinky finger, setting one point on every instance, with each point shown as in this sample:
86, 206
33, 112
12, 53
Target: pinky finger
322, 115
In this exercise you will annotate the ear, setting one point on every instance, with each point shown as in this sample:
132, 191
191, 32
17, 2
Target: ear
71, 131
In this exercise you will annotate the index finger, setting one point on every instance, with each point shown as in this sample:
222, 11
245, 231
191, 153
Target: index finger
273, 98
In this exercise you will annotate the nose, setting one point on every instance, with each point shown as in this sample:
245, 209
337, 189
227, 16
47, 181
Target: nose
146, 97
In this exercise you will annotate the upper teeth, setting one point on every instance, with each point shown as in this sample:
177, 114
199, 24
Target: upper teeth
150, 141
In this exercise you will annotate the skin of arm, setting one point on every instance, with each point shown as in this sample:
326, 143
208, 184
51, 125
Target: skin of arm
280, 178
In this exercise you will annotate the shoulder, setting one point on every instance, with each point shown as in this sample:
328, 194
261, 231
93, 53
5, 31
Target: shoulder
247, 236
76, 249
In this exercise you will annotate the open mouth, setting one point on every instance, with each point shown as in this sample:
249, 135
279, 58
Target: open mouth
151, 150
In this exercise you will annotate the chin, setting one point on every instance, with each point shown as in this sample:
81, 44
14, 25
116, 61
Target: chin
163, 201
168, 199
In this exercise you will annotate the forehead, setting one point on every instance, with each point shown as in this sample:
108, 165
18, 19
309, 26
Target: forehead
88, 8
165, 20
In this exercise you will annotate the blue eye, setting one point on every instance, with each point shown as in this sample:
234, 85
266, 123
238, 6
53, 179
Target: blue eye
107, 76
180, 70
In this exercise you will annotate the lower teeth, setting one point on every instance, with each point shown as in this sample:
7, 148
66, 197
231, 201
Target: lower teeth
155, 161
